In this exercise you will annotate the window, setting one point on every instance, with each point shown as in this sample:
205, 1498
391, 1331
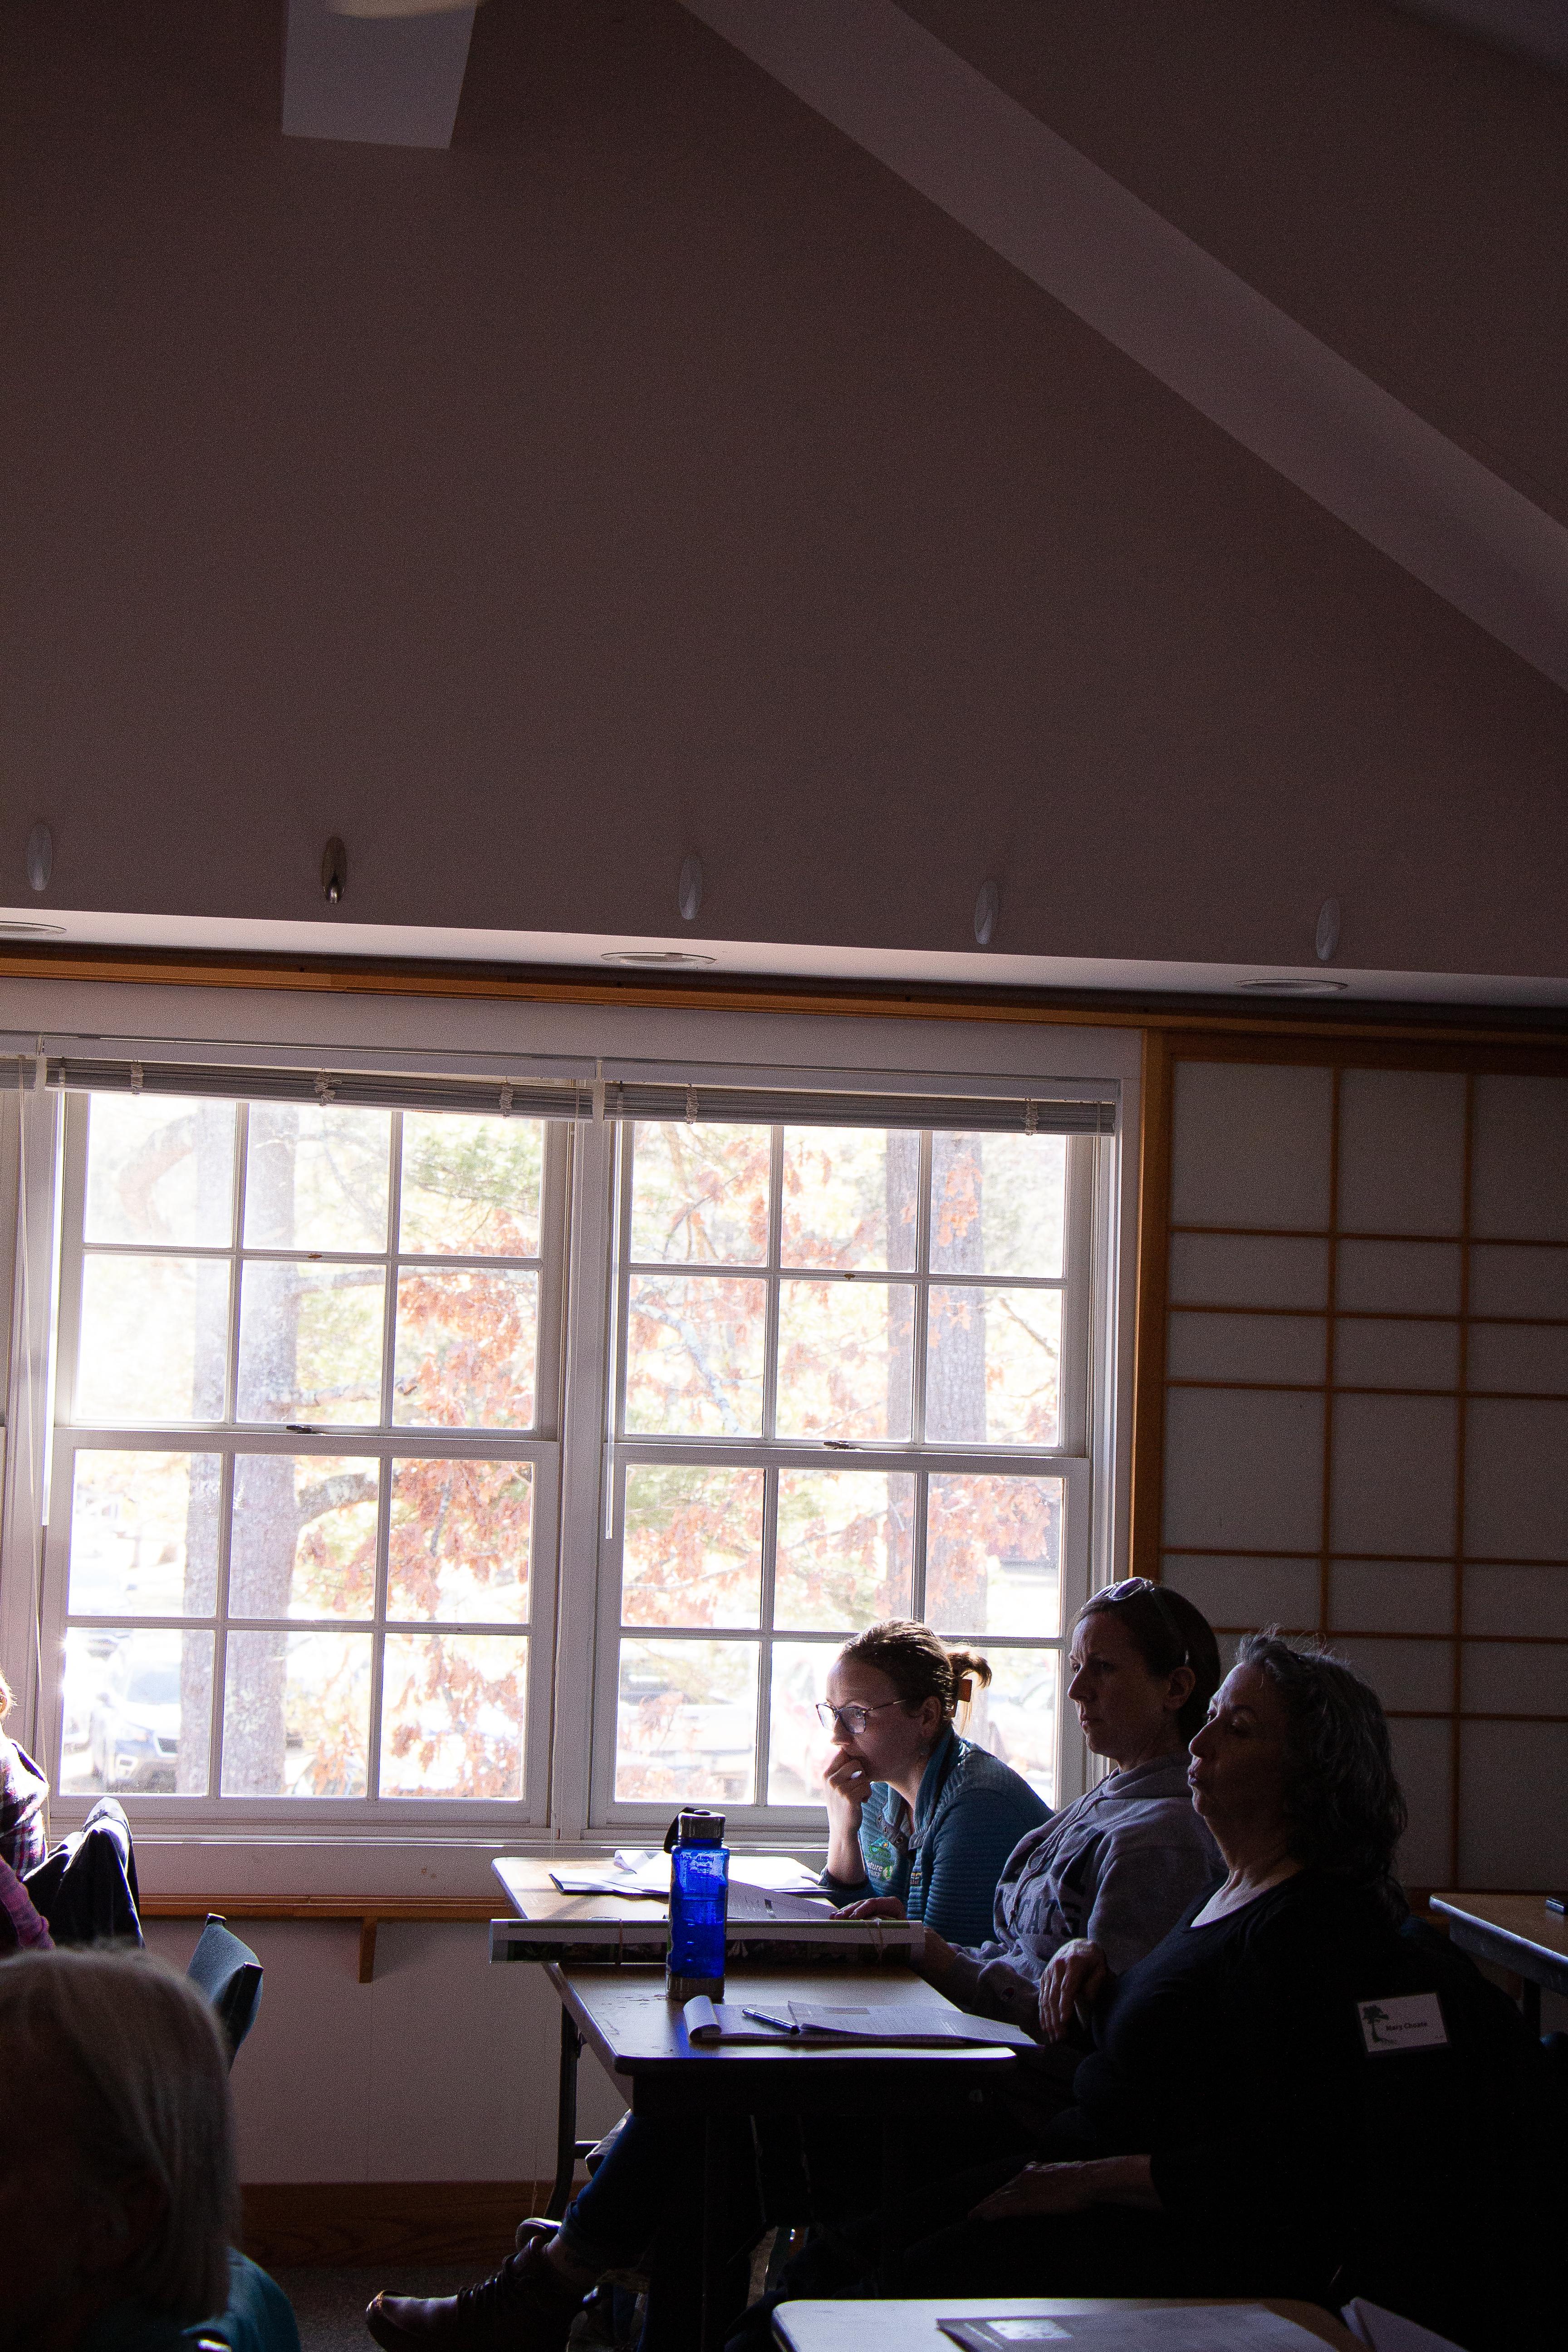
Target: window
330, 1353
850, 1382
304, 1471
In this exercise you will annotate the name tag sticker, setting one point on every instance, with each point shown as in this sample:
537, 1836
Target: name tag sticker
1406, 2021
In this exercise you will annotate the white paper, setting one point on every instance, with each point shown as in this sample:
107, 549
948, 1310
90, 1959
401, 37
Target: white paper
1385, 2331
908, 2326
1412, 2020
750, 1904
819, 2025
1201, 2328
1205, 2327
778, 1874
906, 2019
589, 1882
754, 1905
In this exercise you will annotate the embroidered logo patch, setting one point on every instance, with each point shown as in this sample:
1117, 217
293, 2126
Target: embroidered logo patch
1406, 2021
882, 1859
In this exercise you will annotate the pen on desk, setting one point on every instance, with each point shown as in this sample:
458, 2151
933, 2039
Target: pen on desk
761, 2017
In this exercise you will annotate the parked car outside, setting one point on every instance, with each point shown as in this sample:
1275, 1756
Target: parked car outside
133, 1734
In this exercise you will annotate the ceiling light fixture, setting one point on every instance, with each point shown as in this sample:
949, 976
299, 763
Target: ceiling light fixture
667, 957
1295, 985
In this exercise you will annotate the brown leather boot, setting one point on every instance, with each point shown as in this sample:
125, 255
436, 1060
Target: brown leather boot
525, 2307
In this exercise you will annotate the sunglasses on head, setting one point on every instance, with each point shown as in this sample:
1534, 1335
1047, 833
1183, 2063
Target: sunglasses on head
1133, 1588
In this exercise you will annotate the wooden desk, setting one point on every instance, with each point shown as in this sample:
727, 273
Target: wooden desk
639, 2037
1516, 1932
912, 2326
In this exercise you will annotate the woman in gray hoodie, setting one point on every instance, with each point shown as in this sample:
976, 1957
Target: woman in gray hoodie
1104, 1880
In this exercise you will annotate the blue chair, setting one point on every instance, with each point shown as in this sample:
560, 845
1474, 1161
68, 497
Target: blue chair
259, 2317
229, 1973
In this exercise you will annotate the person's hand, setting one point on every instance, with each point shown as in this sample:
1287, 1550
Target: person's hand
934, 1956
935, 1959
846, 1784
1070, 2188
1039, 2189
1074, 1978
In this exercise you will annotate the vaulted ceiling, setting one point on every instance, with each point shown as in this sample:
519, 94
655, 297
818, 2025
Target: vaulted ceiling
957, 100
1116, 452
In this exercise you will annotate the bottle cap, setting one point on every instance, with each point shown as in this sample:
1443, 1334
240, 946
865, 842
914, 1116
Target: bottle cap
695, 1827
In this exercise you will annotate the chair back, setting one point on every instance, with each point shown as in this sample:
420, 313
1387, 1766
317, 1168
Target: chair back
229, 1973
1459, 2177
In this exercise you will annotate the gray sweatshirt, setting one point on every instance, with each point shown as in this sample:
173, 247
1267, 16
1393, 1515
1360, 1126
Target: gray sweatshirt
1120, 1866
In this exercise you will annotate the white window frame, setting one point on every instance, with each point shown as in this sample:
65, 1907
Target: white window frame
382, 1441
426, 1847
1069, 1460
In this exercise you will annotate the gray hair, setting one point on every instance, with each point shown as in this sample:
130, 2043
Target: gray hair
140, 2049
1344, 1808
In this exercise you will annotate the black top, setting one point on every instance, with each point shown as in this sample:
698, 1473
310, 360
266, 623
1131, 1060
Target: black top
1232, 2054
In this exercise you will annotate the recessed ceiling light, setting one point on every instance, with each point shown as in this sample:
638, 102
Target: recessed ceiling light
664, 956
33, 930
1291, 984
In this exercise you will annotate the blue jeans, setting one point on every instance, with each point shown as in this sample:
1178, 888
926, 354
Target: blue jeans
643, 2210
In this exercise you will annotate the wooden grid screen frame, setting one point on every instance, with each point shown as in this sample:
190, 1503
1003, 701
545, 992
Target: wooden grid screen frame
1355, 1424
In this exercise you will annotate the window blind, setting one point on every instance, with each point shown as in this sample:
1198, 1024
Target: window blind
580, 1098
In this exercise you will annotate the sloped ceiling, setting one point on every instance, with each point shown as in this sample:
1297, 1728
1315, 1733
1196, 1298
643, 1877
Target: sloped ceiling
1531, 28
1242, 360
656, 473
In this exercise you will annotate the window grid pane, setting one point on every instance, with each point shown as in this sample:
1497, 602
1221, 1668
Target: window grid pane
809, 1348
349, 1613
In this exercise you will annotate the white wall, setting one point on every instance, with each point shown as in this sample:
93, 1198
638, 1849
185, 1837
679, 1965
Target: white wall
443, 2068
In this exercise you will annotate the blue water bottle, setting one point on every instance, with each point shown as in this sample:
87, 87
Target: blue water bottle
699, 1904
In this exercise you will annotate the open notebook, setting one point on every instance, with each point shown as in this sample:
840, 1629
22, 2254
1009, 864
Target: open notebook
907, 2026
760, 1886
1202, 2327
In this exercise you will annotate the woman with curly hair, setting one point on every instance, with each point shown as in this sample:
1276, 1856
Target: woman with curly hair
1208, 2148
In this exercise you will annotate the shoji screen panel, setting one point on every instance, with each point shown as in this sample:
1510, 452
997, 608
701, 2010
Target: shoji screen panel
1365, 1411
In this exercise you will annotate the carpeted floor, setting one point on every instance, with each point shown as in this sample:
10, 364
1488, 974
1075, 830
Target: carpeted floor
330, 2303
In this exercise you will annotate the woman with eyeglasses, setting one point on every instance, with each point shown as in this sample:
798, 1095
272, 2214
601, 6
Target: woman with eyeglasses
1216, 2147
1084, 1897
915, 1812
919, 1818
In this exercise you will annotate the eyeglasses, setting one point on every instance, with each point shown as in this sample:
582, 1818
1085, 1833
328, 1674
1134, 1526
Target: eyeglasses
1133, 1588
853, 1719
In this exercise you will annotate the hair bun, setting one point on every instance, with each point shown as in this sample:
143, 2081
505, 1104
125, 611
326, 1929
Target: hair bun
919, 1664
